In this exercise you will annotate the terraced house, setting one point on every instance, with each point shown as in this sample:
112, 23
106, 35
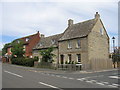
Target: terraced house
84, 42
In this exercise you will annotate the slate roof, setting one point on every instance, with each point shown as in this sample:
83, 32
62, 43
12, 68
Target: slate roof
24, 39
30, 37
46, 42
74, 31
78, 30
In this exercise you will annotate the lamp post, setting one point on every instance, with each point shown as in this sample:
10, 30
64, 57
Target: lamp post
113, 38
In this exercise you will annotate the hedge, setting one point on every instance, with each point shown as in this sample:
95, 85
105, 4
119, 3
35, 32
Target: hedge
24, 61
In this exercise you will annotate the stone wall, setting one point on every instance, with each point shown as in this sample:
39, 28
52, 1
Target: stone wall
64, 50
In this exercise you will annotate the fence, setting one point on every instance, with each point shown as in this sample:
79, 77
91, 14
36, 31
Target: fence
100, 64
94, 64
70, 67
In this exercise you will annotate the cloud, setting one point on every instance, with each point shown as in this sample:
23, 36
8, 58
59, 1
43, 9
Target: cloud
24, 18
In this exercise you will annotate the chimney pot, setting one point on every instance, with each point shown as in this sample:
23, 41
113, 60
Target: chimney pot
70, 22
97, 15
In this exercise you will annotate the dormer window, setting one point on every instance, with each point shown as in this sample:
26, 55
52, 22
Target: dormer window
40, 44
53, 41
27, 39
101, 31
18, 41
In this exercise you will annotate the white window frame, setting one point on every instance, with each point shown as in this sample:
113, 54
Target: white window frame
27, 39
77, 43
53, 41
78, 58
18, 41
24, 47
101, 31
69, 44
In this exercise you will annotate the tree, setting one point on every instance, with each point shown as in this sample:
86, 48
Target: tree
4, 49
17, 49
116, 56
47, 55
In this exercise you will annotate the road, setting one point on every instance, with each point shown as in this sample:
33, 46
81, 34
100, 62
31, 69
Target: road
25, 77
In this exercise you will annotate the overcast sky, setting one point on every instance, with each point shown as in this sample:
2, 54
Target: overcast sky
24, 18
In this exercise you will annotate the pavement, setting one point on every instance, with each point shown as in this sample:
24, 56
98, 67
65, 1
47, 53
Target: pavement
26, 77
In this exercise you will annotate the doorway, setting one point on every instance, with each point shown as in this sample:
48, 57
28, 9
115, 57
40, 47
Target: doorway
62, 59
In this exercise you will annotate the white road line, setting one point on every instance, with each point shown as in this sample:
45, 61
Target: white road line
116, 77
89, 81
64, 77
95, 76
112, 86
49, 85
93, 80
70, 78
81, 79
105, 82
100, 83
115, 84
13, 74
57, 76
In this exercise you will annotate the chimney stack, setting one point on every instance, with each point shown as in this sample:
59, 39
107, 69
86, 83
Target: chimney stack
97, 15
70, 22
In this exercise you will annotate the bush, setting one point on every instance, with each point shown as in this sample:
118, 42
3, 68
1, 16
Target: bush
36, 58
24, 61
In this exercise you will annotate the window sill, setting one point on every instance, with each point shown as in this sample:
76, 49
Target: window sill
69, 48
78, 48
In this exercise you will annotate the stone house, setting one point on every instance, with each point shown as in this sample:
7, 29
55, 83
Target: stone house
85, 42
46, 42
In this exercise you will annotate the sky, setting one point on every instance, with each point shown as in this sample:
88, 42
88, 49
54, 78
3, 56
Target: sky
21, 18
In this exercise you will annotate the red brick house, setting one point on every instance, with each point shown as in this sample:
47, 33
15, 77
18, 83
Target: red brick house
29, 42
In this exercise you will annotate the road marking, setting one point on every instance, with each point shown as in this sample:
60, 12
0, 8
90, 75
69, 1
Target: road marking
70, 78
57, 76
49, 85
95, 76
64, 77
115, 84
112, 86
52, 75
105, 82
89, 81
80, 79
116, 77
93, 80
13, 74
100, 83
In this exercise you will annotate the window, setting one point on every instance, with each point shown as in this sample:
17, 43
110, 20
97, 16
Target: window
79, 57
27, 39
69, 58
53, 41
40, 44
10, 49
18, 41
78, 43
101, 31
24, 48
69, 44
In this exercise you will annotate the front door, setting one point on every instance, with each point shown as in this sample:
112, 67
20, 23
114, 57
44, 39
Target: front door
62, 59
